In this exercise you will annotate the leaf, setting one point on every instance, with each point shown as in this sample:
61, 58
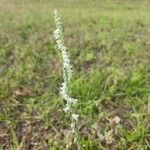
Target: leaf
109, 137
22, 91
114, 121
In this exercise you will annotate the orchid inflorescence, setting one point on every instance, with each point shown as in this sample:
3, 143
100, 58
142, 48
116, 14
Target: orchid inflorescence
67, 72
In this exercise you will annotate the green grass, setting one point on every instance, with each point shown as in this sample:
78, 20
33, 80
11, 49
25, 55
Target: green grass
109, 45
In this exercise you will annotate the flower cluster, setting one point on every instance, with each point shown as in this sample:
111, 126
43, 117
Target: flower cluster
67, 70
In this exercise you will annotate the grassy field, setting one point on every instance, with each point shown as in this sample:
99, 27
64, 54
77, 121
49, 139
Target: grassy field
109, 46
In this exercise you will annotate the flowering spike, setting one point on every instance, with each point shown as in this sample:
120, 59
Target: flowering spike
67, 71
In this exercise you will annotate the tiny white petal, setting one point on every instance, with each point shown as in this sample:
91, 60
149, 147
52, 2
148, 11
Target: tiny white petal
66, 109
75, 117
72, 125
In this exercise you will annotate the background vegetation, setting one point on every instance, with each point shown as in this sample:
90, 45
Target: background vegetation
109, 45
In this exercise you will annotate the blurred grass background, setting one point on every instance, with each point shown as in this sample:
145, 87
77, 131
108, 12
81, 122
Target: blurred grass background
109, 46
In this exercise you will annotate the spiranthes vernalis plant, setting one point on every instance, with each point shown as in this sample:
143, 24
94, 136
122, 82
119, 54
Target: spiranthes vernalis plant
67, 74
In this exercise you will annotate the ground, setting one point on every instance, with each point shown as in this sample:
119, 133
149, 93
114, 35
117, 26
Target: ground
109, 46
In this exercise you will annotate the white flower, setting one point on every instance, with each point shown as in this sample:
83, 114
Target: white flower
67, 108
72, 100
56, 34
75, 117
72, 125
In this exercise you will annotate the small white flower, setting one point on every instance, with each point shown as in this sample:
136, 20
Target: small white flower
66, 109
75, 117
72, 125
72, 100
